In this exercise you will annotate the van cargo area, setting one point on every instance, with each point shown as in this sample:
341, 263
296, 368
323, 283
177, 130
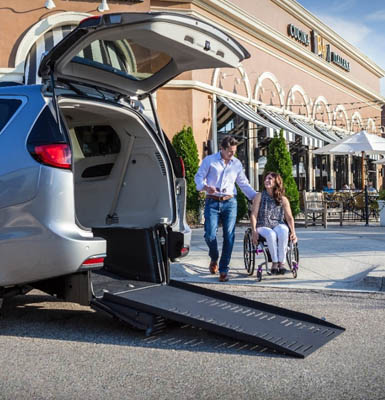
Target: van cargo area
119, 168
123, 191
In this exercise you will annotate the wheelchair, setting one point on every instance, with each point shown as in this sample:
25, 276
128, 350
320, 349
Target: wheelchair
250, 251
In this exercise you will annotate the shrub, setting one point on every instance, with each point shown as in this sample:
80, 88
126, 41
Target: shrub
185, 146
242, 205
279, 160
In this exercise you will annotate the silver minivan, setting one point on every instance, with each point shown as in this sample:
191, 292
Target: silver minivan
88, 178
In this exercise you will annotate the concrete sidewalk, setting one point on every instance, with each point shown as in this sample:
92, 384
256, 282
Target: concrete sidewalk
337, 258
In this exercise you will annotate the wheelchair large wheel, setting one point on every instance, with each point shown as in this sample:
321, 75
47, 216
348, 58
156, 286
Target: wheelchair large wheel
248, 252
266, 254
292, 257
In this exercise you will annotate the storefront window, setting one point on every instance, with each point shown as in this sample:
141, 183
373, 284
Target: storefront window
229, 123
341, 171
322, 171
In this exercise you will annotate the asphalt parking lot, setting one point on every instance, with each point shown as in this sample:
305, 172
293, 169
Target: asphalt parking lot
56, 350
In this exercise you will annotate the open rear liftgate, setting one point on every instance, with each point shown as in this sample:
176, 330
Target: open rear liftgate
148, 305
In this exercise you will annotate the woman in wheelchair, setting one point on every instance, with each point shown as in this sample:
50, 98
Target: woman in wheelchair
270, 210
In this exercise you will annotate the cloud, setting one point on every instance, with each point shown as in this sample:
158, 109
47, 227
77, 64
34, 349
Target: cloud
376, 16
352, 31
342, 5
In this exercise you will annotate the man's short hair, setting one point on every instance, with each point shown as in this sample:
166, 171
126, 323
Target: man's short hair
228, 141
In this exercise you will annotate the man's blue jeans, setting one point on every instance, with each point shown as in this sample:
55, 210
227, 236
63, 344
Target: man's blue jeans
225, 212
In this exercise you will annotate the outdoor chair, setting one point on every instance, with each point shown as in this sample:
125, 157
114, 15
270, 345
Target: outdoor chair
317, 208
314, 208
334, 206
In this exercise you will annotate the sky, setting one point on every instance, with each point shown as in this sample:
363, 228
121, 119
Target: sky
359, 22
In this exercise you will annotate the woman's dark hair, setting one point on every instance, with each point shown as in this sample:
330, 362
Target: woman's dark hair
278, 189
228, 141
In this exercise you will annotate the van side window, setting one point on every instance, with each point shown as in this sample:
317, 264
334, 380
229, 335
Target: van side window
46, 130
97, 140
8, 107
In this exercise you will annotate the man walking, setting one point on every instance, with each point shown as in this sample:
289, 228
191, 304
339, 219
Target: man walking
217, 176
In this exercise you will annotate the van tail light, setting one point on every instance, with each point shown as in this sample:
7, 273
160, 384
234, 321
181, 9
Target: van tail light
184, 251
94, 262
182, 166
55, 155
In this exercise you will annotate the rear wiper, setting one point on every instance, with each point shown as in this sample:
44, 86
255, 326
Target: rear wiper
75, 89
82, 90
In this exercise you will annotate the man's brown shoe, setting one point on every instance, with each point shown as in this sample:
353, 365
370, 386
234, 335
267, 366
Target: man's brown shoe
223, 277
213, 267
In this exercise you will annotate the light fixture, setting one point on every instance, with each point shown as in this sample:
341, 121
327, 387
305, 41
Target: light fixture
49, 4
103, 6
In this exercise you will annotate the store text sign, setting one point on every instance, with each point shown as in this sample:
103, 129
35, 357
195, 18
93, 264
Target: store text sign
318, 46
299, 35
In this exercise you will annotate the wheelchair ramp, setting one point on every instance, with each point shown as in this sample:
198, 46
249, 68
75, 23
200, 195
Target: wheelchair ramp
276, 328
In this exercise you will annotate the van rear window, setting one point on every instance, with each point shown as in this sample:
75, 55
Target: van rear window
99, 140
124, 57
8, 108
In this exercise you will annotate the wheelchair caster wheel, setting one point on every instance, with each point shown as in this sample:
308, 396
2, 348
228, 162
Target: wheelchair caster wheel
259, 276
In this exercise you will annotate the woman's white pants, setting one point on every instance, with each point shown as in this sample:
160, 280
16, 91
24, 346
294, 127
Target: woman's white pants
276, 239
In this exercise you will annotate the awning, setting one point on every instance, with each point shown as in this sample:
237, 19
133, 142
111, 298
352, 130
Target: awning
39, 48
317, 138
329, 134
246, 112
292, 130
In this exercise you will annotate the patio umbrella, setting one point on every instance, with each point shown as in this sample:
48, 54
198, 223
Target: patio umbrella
361, 142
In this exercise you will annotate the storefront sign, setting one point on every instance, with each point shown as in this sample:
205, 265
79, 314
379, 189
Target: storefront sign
337, 59
318, 46
299, 35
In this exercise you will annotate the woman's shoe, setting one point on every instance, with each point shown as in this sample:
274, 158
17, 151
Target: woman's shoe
281, 269
274, 269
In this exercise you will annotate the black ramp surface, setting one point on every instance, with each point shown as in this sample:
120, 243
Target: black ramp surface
286, 331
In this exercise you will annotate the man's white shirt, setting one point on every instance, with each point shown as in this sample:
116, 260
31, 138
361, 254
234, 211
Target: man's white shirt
215, 172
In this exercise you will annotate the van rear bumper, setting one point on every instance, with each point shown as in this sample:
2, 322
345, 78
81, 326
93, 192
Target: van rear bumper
32, 253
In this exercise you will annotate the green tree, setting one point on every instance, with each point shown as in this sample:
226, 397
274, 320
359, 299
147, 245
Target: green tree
186, 147
279, 160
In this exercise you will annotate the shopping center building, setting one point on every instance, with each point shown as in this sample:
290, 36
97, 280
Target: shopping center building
302, 79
